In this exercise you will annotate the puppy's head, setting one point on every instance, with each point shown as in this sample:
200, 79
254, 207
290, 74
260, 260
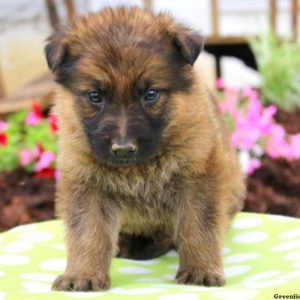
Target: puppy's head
123, 66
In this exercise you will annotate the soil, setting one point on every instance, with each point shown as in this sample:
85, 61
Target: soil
290, 121
25, 199
274, 188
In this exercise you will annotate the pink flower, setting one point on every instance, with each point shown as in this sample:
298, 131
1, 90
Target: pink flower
229, 105
245, 137
266, 121
254, 110
220, 84
276, 145
28, 155
250, 93
44, 161
253, 164
277, 132
3, 126
35, 115
254, 127
32, 119
295, 145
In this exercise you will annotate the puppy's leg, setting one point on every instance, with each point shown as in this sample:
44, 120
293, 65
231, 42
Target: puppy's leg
199, 236
92, 229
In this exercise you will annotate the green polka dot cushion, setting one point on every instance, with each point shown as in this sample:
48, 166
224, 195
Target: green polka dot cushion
261, 258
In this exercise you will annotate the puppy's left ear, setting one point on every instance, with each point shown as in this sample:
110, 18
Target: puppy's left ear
189, 44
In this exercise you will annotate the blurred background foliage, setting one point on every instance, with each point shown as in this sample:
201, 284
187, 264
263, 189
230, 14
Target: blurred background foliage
279, 66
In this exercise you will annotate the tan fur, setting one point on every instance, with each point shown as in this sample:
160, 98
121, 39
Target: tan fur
190, 190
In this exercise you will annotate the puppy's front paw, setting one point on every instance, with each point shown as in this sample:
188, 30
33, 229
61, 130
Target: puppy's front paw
196, 276
80, 283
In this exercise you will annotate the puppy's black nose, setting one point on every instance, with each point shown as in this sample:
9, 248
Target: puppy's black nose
123, 150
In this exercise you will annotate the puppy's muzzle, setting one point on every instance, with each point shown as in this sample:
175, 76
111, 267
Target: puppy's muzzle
123, 150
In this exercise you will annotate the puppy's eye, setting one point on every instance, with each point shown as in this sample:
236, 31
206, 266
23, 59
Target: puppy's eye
95, 97
151, 95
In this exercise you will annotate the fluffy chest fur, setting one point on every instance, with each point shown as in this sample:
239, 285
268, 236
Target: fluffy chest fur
154, 185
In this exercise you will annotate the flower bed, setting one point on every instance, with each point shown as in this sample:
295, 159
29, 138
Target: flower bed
28, 140
268, 142
27, 167
255, 132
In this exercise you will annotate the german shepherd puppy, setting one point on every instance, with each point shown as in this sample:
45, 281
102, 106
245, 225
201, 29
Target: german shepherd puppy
144, 156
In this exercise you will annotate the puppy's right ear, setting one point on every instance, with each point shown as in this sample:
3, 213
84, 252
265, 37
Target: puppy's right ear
59, 58
56, 51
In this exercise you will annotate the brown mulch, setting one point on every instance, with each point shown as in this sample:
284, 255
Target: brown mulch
290, 121
25, 199
275, 186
